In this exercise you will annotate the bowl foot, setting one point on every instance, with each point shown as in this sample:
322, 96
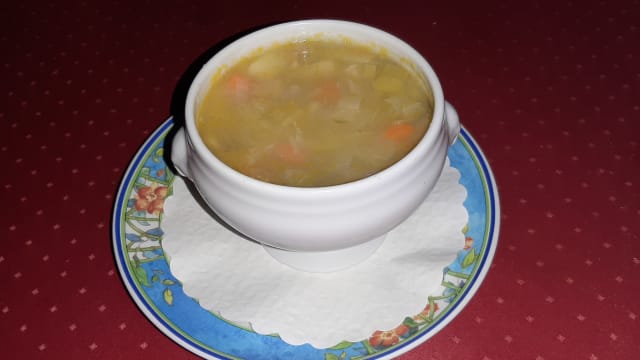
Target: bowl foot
325, 261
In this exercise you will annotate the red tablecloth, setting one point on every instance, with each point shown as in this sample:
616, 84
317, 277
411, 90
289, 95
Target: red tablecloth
550, 90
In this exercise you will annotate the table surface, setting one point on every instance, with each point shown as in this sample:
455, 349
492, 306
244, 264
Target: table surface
550, 90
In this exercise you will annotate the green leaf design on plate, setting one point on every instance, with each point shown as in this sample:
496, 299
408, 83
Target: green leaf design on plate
141, 275
469, 259
158, 155
465, 229
330, 356
168, 296
410, 322
168, 282
342, 345
155, 278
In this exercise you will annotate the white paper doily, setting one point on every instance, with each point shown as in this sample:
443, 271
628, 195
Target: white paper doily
236, 278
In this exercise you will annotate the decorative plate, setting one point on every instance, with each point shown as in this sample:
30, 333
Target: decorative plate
137, 238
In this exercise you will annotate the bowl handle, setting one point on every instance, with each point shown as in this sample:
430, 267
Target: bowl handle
452, 121
179, 152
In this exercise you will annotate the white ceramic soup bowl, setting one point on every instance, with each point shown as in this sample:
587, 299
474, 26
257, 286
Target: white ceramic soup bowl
317, 229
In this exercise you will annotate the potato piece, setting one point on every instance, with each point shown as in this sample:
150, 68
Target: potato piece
267, 66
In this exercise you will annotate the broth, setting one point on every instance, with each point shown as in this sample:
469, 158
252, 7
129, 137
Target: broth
314, 113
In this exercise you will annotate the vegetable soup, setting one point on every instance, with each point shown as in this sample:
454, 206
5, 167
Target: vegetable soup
314, 112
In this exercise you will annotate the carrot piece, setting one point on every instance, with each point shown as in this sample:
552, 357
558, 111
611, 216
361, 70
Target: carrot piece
239, 85
328, 93
289, 153
399, 132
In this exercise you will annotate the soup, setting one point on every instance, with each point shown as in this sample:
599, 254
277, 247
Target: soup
315, 112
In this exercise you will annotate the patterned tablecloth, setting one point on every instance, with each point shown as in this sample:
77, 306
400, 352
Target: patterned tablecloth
550, 91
